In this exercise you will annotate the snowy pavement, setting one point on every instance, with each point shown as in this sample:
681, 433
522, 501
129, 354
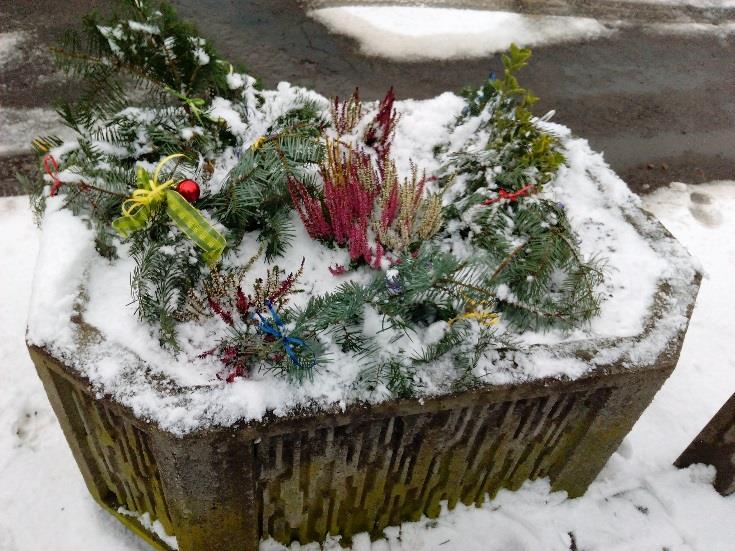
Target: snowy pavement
658, 101
411, 33
628, 11
638, 502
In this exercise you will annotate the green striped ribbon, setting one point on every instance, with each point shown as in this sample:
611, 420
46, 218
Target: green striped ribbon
195, 226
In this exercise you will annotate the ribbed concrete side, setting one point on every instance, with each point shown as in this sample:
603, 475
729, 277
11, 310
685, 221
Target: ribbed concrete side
303, 477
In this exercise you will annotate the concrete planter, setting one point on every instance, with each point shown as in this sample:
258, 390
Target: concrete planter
317, 472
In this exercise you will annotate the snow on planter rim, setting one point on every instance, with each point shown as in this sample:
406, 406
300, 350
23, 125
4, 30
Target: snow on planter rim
81, 309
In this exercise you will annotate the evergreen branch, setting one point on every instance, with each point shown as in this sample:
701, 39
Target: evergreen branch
84, 186
453, 282
104, 62
507, 260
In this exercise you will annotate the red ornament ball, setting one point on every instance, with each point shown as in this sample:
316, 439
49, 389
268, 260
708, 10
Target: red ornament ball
189, 190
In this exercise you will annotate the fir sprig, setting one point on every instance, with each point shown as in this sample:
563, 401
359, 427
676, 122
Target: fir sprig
162, 277
147, 81
255, 193
149, 45
436, 286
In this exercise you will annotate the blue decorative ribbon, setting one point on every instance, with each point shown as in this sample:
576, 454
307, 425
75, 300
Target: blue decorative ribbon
287, 342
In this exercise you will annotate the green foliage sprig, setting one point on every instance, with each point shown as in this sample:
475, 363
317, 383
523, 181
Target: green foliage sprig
162, 277
150, 48
523, 152
541, 278
145, 77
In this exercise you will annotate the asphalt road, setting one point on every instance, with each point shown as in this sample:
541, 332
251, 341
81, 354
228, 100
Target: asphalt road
660, 105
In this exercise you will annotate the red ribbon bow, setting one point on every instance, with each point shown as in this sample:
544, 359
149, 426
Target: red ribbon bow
510, 196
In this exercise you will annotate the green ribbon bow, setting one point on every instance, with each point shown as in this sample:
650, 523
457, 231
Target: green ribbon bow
137, 209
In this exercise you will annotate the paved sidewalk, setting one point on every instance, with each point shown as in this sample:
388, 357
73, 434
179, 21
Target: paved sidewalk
661, 106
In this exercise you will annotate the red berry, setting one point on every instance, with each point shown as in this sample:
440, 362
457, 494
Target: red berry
189, 190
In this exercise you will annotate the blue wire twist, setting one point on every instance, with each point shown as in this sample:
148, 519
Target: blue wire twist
287, 341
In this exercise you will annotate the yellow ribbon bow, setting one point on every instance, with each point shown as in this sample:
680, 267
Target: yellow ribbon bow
150, 192
137, 209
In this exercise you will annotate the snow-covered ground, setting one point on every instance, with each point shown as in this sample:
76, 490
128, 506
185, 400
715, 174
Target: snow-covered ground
639, 501
413, 33
19, 124
9, 43
410, 33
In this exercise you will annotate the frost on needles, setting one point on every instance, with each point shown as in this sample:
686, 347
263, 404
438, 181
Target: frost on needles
437, 259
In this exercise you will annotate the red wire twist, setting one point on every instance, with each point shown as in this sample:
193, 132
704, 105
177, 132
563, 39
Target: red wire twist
52, 172
510, 196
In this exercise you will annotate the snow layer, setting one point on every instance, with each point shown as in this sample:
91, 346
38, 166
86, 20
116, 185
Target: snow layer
405, 33
697, 3
638, 502
9, 43
45, 504
20, 126
153, 526
183, 392
68, 245
413, 33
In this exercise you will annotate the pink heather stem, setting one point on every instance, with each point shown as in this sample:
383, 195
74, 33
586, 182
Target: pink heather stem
358, 241
390, 209
217, 309
309, 210
378, 257
336, 203
242, 302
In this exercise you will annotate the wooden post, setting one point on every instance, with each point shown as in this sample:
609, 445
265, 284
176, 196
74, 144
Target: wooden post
715, 445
